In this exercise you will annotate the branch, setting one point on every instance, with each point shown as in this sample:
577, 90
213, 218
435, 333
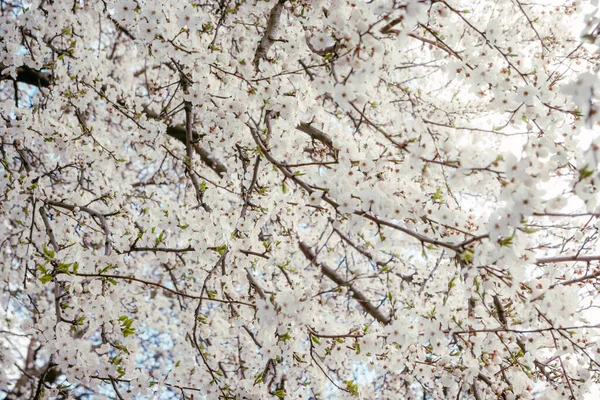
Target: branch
576, 280
250, 187
322, 52
358, 296
49, 230
38, 78
268, 37
43, 213
42, 379
189, 149
189, 296
521, 331
179, 132
316, 134
29, 76
531, 24
574, 258
114, 385
293, 177
253, 282
93, 214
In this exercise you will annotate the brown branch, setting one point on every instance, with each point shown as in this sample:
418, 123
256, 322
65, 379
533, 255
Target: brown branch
179, 132
573, 258
286, 172
161, 249
531, 24
49, 230
250, 187
114, 385
316, 134
38, 78
43, 213
522, 331
322, 52
357, 295
255, 284
268, 37
576, 280
293, 177
189, 148
156, 284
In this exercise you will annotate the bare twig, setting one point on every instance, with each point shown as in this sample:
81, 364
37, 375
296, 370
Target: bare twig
114, 385
156, 284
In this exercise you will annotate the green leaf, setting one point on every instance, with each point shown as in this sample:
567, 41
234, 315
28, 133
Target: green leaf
506, 242
437, 196
352, 387
62, 267
315, 339
47, 252
128, 331
285, 337
451, 284
126, 323
221, 249
585, 173
160, 238
431, 314
45, 279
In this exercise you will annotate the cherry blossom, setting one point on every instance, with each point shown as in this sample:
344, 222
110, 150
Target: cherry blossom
299, 199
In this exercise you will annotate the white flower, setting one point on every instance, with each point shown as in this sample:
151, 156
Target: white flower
527, 94
342, 94
125, 10
321, 41
265, 312
349, 205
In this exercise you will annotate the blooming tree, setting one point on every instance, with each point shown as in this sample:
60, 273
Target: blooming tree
247, 199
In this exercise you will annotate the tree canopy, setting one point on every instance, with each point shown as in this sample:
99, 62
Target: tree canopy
300, 199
